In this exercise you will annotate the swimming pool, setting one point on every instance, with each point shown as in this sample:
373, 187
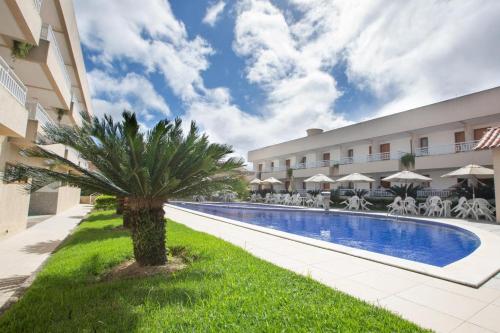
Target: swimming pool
426, 242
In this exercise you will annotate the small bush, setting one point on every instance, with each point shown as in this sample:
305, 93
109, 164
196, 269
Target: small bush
105, 202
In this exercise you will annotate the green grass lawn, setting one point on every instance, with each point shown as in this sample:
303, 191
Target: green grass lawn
224, 289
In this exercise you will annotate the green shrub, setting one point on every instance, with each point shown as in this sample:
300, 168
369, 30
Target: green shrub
105, 202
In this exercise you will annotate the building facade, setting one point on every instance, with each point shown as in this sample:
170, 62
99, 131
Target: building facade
441, 136
42, 80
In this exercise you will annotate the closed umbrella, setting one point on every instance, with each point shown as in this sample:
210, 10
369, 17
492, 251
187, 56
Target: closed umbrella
471, 171
319, 179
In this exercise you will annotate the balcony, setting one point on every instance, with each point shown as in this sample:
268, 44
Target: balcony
48, 35
76, 112
21, 20
452, 155
13, 114
446, 149
38, 5
373, 163
43, 71
37, 120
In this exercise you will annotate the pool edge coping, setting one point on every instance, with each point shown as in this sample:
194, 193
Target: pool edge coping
449, 273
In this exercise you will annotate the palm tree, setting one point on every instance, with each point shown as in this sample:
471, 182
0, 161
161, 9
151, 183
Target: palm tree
145, 168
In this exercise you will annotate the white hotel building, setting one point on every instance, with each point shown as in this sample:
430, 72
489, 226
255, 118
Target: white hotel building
442, 136
47, 84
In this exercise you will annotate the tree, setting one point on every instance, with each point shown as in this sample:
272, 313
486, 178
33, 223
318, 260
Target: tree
408, 161
145, 168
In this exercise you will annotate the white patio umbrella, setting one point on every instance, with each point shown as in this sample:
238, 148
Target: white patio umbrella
406, 177
471, 171
271, 181
319, 179
355, 178
256, 181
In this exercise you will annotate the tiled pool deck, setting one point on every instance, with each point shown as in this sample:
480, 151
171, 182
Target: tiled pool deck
430, 302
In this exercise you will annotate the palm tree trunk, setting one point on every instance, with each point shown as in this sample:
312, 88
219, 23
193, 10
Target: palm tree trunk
147, 220
120, 203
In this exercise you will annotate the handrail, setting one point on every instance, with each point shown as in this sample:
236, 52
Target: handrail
48, 34
37, 112
38, 4
12, 83
447, 148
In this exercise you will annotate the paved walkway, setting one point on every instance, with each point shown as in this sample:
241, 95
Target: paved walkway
432, 303
23, 253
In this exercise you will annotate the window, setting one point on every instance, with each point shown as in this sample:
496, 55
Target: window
424, 146
370, 150
303, 159
326, 156
459, 140
326, 186
303, 185
479, 133
260, 168
385, 151
287, 164
459, 137
350, 153
272, 165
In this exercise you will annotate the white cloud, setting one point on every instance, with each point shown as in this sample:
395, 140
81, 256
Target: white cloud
214, 12
133, 92
408, 53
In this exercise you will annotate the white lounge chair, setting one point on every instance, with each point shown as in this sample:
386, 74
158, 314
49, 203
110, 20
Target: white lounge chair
435, 206
410, 206
364, 204
463, 209
397, 206
424, 206
481, 207
353, 203
446, 209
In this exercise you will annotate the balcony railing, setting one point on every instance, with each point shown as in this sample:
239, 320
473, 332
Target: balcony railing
446, 149
76, 111
373, 157
48, 34
37, 112
12, 83
38, 4
384, 193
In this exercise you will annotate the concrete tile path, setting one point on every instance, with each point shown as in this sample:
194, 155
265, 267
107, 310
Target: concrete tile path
432, 303
22, 254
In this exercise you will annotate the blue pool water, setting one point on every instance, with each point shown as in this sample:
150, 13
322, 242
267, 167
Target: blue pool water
422, 241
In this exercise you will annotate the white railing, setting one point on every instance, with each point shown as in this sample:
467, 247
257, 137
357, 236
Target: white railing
38, 4
76, 111
373, 157
12, 83
75, 157
446, 149
37, 112
48, 34
434, 192
379, 157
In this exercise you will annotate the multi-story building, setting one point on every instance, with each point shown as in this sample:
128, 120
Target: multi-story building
441, 136
42, 80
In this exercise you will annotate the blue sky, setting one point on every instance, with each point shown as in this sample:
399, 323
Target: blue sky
257, 72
